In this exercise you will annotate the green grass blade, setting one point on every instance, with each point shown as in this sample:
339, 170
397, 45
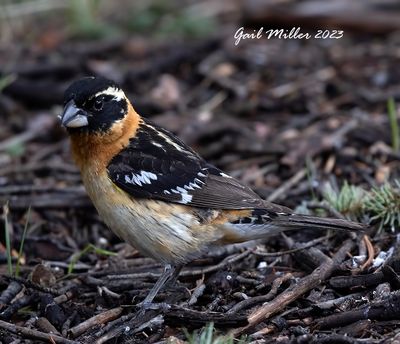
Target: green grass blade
394, 126
76, 257
6, 80
7, 230
310, 174
209, 333
21, 246
89, 248
102, 251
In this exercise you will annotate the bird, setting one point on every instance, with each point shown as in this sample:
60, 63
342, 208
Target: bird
156, 193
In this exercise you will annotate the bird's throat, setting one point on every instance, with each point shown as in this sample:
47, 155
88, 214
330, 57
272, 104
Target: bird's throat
97, 150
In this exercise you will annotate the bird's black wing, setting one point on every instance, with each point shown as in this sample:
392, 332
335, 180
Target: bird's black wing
158, 165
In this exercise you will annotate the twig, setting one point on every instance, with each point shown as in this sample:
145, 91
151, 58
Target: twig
50, 201
227, 261
98, 319
262, 298
288, 184
327, 207
9, 293
66, 326
34, 334
113, 324
302, 247
292, 293
30, 284
46, 326
127, 324
370, 250
387, 309
336, 302
391, 276
23, 189
30, 7
176, 314
313, 257
198, 291
137, 321
369, 280
321, 75
21, 302
38, 166
65, 297
187, 272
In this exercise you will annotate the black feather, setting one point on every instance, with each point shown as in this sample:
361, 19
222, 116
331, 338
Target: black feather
178, 170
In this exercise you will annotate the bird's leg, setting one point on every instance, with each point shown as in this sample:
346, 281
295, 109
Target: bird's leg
169, 275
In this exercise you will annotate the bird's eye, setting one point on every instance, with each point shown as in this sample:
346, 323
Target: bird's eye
98, 104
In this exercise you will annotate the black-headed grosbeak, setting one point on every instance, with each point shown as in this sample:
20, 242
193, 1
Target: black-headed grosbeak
155, 192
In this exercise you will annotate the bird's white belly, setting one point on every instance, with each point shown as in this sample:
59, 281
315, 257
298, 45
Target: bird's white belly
157, 229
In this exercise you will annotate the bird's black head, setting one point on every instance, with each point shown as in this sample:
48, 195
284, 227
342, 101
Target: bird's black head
93, 105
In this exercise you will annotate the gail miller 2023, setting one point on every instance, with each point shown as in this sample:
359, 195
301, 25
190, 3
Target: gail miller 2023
293, 33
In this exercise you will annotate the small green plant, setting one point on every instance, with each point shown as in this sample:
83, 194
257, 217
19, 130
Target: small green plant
166, 19
383, 204
348, 200
85, 21
207, 336
27, 310
21, 246
7, 230
16, 149
380, 204
310, 171
89, 248
394, 126
6, 80
148, 17
187, 25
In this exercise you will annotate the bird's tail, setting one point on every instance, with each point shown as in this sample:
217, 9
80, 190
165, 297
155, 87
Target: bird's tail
295, 221
259, 228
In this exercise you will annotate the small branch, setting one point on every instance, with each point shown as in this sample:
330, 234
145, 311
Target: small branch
227, 261
294, 250
28, 8
34, 334
186, 272
21, 302
369, 280
177, 315
387, 309
9, 293
370, 250
295, 291
98, 319
262, 298
287, 185
29, 284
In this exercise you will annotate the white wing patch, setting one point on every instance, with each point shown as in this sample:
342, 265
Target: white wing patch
184, 191
112, 91
186, 198
225, 175
143, 178
157, 144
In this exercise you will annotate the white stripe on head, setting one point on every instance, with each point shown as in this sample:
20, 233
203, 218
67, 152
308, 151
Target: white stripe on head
115, 92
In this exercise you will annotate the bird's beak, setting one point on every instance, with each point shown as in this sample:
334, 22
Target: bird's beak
73, 117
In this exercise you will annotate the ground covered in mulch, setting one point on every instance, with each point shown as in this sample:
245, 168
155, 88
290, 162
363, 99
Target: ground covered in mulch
287, 117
